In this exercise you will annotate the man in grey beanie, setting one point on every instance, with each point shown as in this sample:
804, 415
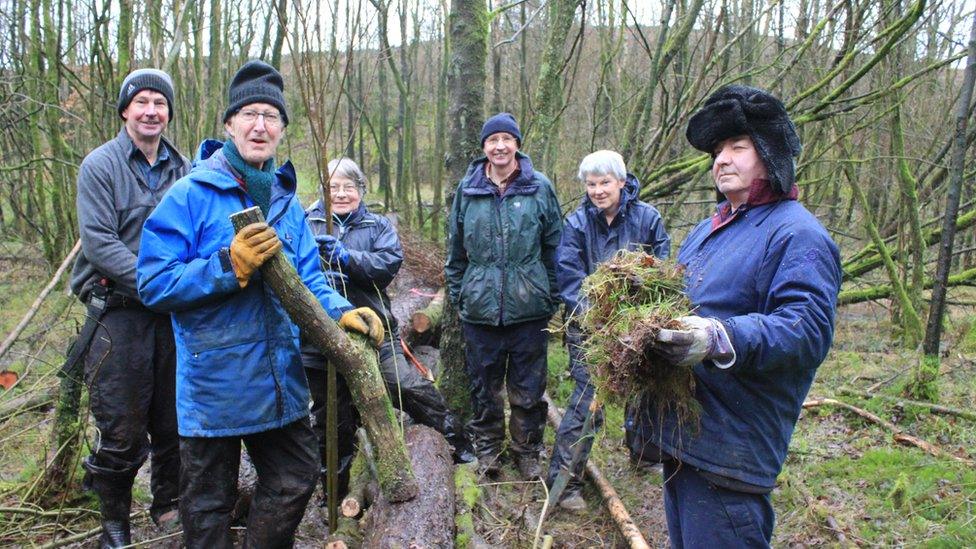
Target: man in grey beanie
127, 350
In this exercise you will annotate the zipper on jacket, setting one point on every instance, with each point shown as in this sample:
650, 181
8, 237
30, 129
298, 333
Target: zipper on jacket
279, 397
504, 258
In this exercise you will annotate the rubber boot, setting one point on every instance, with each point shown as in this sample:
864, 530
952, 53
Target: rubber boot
114, 490
115, 518
459, 440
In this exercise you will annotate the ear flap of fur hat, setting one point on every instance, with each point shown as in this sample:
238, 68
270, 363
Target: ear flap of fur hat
742, 110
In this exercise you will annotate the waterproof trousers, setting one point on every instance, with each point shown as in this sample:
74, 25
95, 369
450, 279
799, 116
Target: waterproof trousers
130, 370
408, 389
511, 358
287, 467
569, 435
701, 514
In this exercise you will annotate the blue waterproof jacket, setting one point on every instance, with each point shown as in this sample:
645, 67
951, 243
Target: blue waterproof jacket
238, 368
587, 240
771, 275
501, 250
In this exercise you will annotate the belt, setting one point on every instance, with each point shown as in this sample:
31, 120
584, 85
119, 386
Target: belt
118, 301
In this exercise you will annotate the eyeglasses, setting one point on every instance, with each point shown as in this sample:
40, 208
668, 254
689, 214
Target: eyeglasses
500, 138
347, 189
271, 119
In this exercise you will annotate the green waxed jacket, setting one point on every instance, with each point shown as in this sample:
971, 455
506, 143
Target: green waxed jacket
501, 249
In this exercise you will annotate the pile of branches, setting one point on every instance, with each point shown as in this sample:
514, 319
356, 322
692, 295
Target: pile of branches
631, 298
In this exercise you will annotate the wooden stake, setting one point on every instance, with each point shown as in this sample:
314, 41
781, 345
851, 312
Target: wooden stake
612, 501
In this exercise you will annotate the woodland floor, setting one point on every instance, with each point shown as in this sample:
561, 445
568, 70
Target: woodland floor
846, 482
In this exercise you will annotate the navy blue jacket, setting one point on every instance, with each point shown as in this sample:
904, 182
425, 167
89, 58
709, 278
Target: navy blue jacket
771, 275
587, 240
375, 256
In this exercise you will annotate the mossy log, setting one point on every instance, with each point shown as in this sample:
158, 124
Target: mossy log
427, 521
354, 359
424, 325
348, 535
467, 495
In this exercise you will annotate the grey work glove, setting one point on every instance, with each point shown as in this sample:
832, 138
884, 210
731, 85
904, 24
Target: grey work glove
702, 339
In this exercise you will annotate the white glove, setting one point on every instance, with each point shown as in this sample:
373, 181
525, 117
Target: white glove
702, 339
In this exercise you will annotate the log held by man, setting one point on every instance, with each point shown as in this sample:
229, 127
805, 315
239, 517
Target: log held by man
354, 359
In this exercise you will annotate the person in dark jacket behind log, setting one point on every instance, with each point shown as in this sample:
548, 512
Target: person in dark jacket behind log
130, 363
763, 275
363, 254
611, 217
501, 275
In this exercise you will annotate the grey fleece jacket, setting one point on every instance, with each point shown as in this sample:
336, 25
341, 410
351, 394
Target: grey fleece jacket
113, 202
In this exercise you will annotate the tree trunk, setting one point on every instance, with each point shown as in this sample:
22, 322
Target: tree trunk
469, 48
924, 383
354, 359
427, 521
549, 94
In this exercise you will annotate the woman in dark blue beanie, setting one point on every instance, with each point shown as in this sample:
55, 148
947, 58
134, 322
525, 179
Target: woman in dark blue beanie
501, 275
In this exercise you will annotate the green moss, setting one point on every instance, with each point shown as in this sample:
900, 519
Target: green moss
897, 495
468, 495
924, 384
968, 342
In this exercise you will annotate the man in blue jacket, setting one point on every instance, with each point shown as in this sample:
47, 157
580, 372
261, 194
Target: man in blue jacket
239, 373
610, 217
501, 275
763, 275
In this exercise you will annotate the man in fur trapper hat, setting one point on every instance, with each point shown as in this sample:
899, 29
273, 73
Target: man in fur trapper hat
763, 275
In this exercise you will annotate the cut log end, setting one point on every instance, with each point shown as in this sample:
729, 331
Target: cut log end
350, 508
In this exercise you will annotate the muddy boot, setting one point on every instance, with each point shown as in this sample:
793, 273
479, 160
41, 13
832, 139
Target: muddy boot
115, 520
572, 500
489, 464
114, 490
528, 466
459, 440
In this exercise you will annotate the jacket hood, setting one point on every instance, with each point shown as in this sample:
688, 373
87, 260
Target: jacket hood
478, 183
210, 166
630, 193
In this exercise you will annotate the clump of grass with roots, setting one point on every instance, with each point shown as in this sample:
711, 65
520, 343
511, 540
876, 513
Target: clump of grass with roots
631, 298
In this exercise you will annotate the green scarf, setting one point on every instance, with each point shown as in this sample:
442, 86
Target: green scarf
257, 182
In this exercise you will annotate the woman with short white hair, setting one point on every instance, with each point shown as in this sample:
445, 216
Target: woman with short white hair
610, 217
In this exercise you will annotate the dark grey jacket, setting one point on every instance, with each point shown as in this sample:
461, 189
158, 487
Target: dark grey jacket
113, 202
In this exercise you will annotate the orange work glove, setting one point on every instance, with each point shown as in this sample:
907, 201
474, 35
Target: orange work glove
364, 321
251, 247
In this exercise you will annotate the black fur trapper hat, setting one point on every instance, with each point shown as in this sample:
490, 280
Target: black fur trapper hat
743, 110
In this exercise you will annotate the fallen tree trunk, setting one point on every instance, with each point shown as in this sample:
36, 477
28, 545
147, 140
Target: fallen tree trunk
896, 433
424, 326
354, 359
32, 401
883, 291
36, 306
611, 500
427, 521
931, 407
